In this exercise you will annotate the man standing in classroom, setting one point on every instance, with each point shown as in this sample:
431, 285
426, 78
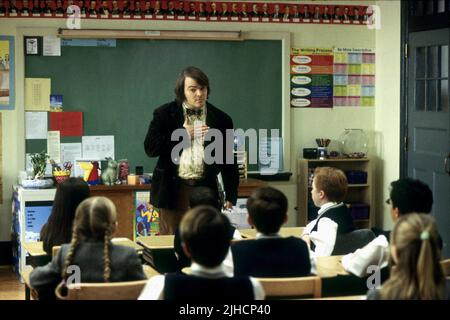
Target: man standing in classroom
179, 170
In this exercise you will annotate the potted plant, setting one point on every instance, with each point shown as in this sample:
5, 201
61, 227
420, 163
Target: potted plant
39, 162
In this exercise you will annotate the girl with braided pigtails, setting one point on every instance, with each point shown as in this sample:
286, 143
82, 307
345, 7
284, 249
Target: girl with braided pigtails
91, 256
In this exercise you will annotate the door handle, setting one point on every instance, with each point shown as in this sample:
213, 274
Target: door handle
446, 169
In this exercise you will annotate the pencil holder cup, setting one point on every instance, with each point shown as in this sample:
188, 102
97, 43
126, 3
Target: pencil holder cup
61, 176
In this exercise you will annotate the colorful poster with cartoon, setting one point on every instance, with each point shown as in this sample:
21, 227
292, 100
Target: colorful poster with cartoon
312, 78
146, 217
354, 77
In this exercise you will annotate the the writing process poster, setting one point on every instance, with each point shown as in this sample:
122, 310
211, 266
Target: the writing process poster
312, 78
354, 77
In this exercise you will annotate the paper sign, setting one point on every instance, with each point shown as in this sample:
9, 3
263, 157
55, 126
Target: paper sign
98, 147
53, 146
37, 94
70, 124
52, 46
35, 125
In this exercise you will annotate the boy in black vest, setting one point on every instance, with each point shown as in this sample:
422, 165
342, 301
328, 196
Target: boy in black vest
270, 255
329, 188
205, 235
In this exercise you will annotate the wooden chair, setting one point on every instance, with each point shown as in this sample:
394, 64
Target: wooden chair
298, 287
55, 250
446, 267
129, 290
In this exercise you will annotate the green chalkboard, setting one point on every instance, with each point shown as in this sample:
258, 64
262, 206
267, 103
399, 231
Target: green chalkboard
117, 88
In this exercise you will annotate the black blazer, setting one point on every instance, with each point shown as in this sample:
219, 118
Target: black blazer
271, 257
168, 118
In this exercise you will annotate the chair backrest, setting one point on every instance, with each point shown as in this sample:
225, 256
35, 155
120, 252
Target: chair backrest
446, 267
298, 287
129, 290
349, 242
55, 250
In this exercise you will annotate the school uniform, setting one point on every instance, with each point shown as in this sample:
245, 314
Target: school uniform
184, 261
271, 256
333, 220
124, 262
203, 284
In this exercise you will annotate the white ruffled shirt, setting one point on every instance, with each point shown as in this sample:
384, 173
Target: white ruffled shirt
325, 236
375, 253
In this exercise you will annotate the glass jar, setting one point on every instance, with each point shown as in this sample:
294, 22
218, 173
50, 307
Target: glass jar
354, 143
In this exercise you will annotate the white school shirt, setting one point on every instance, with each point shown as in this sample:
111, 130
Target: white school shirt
375, 253
154, 289
325, 236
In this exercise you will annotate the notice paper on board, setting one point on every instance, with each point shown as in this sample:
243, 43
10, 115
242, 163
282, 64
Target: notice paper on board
98, 147
37, 94
36, 125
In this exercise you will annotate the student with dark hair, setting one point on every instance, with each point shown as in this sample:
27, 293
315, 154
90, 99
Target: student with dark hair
91, 250
270, 255
406, 196
179, 169
416, 256
329, 188
205, 236
201, 196
58, 229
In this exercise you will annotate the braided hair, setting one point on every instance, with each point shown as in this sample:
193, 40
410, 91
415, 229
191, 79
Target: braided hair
95, 218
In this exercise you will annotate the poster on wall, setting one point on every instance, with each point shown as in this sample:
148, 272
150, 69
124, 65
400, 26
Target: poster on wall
354, 77
146, 217
312, 77
7, 94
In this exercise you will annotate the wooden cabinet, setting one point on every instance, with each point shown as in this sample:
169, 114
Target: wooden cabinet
359, 195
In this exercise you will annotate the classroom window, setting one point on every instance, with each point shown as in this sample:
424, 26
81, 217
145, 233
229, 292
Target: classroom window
418, 8
433, 62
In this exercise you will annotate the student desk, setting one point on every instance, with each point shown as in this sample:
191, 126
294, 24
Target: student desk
159, 252
284, 232
123, 197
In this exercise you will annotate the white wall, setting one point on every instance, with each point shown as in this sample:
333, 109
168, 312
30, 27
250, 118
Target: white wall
305, 125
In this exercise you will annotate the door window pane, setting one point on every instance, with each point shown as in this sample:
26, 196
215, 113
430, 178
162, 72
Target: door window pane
433, 62
441, 6
444, 104
420, 95
418, 8
431, 95
420, 62
430, 7
444, 61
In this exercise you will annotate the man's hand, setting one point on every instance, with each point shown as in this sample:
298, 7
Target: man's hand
196, 131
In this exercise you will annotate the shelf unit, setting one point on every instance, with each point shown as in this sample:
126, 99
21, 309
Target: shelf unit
357, 193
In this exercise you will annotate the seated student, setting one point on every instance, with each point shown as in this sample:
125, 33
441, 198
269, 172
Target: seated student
58, 229
329, 188
406, 196
201, 196
270, 255
91, 250
205, 235
415, 253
